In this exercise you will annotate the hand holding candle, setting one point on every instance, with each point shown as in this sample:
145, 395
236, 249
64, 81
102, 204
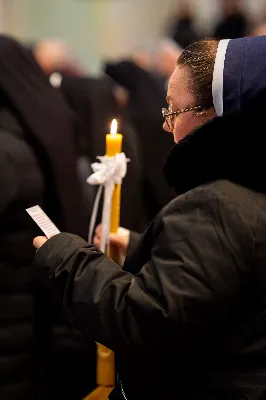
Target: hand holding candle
108, 174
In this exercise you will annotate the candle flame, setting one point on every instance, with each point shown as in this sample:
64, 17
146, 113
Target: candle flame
114, 127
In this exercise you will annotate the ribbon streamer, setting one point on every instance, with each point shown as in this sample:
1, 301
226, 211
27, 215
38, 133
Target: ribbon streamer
107, 173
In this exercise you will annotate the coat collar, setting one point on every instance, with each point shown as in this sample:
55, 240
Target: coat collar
230, 147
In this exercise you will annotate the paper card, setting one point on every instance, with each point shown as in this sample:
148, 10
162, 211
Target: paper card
43, 221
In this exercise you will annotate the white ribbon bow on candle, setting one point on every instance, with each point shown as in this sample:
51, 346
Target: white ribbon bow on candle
108, 172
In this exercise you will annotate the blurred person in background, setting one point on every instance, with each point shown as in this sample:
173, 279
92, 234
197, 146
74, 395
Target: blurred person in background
56, 56
182, 29
41, 357
165, 58
186, 315
143, 57
158, 60
258, 28
233, 23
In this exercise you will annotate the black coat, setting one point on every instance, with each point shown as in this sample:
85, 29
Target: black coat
37, 166
187, 315
22, 185
36, 342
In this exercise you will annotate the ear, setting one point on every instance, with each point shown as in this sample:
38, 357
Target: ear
210, 113
207, 115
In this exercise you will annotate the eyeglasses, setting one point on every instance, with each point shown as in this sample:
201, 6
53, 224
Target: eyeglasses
169, 115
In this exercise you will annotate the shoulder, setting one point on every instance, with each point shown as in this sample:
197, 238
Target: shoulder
230, 208
216, 196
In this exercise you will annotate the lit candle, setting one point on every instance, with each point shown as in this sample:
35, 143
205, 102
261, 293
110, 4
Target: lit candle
113, 140
113, 147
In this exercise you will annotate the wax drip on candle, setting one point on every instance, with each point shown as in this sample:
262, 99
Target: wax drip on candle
114, 127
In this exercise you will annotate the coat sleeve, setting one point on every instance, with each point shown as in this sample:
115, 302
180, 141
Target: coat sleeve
184, 294
133, 239
8, 180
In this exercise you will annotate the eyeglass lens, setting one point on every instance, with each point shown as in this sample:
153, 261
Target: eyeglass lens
167, 118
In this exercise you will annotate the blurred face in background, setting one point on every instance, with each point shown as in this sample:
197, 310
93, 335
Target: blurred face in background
51, 55
180, 97
230, 7
121, 96
143, 59
166, 57
259, 30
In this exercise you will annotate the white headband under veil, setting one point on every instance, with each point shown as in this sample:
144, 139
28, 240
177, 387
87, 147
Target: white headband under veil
218, 80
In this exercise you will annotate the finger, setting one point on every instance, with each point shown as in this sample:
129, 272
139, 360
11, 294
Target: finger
95, 237
97, 242
39, 241
115, 239
98, 230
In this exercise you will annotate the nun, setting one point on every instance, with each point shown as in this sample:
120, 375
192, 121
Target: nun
186, 316
41, 357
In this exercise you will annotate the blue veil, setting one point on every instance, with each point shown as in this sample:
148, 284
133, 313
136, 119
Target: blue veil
239, 76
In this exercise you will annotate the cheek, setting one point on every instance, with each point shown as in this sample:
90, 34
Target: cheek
184, 125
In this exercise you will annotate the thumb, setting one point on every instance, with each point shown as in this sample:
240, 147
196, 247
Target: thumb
39, 241
115, 239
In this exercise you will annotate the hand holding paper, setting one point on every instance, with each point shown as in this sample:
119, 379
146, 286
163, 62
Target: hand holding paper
119, 240
39, 241
44, 223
